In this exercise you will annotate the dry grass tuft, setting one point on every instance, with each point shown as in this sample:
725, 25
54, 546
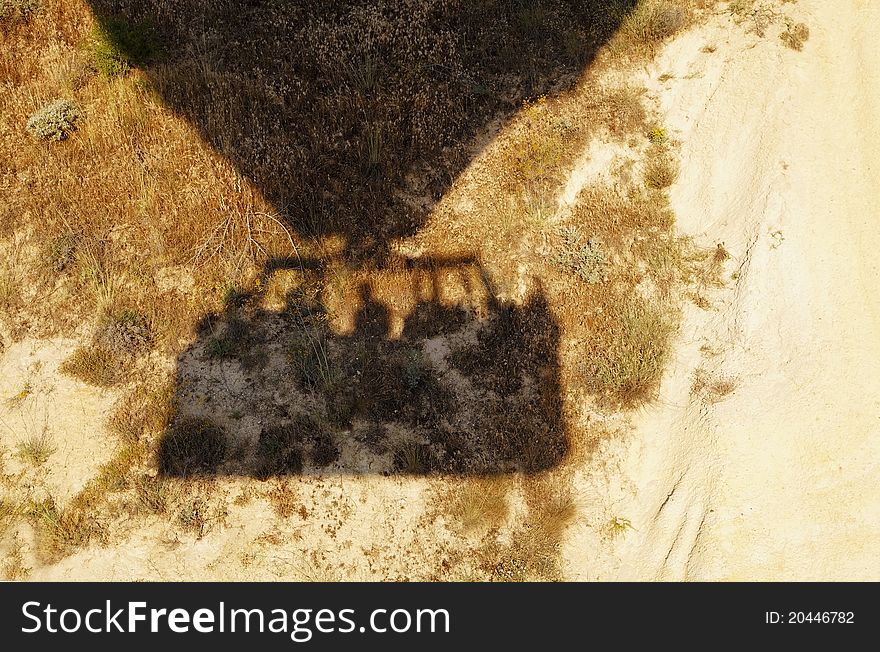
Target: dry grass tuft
661, 170
795, 35
37, 448
626, 359
93, 365
480, 504
60, 531
192, 446
653, 21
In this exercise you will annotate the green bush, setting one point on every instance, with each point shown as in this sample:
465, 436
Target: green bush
116, 46
55, 121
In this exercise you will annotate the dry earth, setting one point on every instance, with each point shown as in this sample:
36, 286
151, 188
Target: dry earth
759, 458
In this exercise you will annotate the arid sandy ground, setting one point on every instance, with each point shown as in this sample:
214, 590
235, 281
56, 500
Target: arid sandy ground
759, 458
780, 158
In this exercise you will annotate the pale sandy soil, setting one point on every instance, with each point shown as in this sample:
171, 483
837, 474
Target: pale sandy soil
780, 162
780, 157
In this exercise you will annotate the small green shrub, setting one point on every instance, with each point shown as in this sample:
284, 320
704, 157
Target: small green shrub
587, 260
193, 446
117, 45
55, 121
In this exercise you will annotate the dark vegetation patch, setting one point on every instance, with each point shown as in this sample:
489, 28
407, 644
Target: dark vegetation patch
192, 447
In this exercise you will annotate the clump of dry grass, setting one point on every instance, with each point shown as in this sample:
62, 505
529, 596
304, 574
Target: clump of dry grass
37, 448
625, 360
653, 21
412, 457
153, 495
94, 366
191, 446
661, 169
533, 554
795, 35
60, 530
115, 345
480, 504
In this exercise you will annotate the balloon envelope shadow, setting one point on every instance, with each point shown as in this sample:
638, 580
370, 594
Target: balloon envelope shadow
353, 118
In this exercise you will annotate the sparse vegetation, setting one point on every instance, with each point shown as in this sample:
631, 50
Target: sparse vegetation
312, 139
192, 446
586, 259
60, 530
795, 35
37, 448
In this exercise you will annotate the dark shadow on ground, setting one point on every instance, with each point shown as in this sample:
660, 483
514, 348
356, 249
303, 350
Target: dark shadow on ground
467, 388
353, 118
